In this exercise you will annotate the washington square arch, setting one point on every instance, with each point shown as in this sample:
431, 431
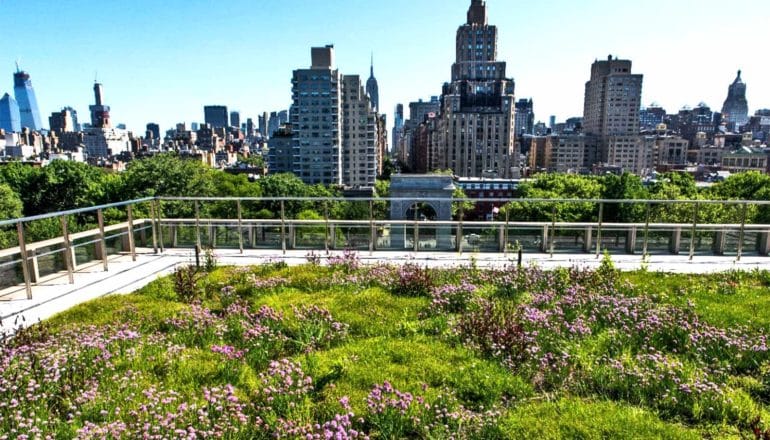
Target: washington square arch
420, 198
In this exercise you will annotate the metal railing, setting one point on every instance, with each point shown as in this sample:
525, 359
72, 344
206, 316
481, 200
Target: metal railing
188, 222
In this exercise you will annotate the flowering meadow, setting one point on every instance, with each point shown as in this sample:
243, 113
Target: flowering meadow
339, 350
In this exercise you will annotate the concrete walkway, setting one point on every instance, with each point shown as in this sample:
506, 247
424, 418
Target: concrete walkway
55, 294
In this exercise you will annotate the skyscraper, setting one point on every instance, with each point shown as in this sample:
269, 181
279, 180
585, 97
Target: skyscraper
10, 120
216, 116
316, 115
373, 89
398, 128
359, 135
101, 139
235, 119
611, 112
25, 97
476, 128
100, 113
525, 117
736, 109
612, 99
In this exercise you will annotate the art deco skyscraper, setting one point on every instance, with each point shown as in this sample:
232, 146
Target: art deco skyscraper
612, 99
736, 109
611, 113
25, 97
9, 114
475, 137
373, 89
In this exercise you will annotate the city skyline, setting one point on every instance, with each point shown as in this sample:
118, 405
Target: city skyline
548, 47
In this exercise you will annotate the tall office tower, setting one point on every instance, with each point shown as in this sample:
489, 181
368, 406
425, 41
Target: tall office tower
10, 119
373, 89
359, 135
264, 122
250, 130
100, 113
398, 128
25, 97
316, 115
154, 129
525, 117
64, 121
283, 117
273, 124
235, 119
216, 116
476, 134
611, 112
736, 109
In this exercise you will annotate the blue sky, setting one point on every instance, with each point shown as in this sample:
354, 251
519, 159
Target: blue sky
163, 60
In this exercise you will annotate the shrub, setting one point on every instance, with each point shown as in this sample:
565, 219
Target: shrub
186, 284
412, 280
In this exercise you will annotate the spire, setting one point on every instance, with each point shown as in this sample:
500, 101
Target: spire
372, 67
738, 79
477, 13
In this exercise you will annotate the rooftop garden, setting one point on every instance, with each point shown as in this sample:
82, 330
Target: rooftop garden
341, 350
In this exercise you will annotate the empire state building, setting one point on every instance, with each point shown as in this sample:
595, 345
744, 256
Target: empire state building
476, 129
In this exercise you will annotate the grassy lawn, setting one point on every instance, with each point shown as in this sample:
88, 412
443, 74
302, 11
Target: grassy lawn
344, 351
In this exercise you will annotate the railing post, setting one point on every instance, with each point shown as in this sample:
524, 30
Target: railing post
102, 239
416, 236
459, 235
694, 231
599, 231
154, 228
742, 233
240, 226
131, 244
505, 233
326, 229
283, 227
553, 230
646, 231
197, 225
372, 229
159, 213
24, 259
67, 250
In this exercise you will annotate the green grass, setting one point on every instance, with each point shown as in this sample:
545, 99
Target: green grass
723, 300
410, 364
572, 418
393, 338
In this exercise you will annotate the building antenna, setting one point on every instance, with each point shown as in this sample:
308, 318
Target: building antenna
96, 77
17, 66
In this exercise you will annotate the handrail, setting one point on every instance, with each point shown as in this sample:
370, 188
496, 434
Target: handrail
457, 200
9, 222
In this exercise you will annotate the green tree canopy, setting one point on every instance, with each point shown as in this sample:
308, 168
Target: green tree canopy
10, 203
557, 186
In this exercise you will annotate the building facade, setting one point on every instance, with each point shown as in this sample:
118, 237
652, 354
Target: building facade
373, 89
216, 116
315, 116
10, 118
27, 101
280, 151
611, 112
476, 135
359, 135
736, 108
525, 117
